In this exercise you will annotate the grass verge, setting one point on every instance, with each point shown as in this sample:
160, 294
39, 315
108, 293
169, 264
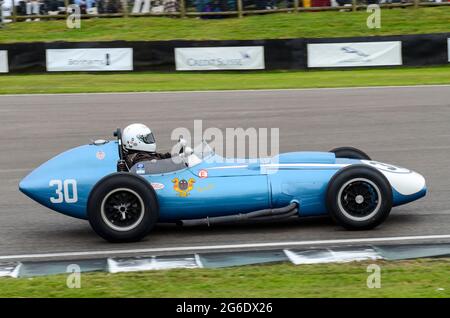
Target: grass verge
272, 26
418, 278
152, 81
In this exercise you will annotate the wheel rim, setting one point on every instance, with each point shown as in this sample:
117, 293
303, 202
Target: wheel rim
359, 199
122, 209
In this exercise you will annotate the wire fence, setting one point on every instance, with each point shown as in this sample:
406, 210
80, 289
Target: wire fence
27, 10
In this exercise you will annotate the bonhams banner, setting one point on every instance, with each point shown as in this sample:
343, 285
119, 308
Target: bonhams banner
4, 61
355, 54
219, 58
105, 59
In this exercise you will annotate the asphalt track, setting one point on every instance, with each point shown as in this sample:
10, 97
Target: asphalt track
408, 126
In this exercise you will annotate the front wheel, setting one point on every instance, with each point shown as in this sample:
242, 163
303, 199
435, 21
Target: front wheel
122, 208
359, 197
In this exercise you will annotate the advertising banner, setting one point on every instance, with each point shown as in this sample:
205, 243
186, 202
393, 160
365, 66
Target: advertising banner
448, 48
104, 59
4, 61
354, 54
219, 58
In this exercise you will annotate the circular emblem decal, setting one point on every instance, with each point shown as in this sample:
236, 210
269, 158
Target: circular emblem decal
100, 155
203, 174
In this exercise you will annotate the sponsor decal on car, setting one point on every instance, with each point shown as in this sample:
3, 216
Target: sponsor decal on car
203, 174
183, 186
157, 185
208, 187
140, 168
100, 155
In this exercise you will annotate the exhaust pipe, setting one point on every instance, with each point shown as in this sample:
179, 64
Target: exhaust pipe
261, 215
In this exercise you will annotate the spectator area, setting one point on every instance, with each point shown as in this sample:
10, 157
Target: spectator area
397, 21
206, 9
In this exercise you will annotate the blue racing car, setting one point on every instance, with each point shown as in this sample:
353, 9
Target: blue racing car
202, 188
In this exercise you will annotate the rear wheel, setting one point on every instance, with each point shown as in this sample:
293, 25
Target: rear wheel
359, 197
122, 208
350, 153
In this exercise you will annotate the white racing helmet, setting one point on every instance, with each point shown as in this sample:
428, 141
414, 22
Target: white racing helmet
138, 137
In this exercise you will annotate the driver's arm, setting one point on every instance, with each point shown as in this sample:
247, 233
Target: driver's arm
166, 155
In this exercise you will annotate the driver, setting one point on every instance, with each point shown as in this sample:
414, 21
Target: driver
139, 144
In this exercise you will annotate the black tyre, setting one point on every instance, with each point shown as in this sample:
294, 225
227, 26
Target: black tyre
122, 208
359, 197
350, 153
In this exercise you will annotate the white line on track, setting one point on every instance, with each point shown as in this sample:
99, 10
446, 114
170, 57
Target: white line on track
231, 90
224, 247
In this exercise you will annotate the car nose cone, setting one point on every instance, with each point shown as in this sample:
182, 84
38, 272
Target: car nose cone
29, 186
407, 184
24, 186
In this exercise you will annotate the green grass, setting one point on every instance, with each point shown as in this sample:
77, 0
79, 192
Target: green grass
419, 278
152, 81
272, 26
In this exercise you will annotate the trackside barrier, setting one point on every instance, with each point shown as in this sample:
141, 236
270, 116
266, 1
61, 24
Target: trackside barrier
286, 54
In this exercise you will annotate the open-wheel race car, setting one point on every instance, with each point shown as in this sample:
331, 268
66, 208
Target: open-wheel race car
201, 187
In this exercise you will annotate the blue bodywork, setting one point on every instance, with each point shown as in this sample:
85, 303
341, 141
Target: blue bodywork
64, 183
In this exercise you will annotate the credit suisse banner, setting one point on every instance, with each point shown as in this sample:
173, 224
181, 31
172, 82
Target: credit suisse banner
4, 61
104, 59
355, 54
220, 58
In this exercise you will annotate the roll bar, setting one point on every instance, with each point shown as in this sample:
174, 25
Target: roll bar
121, 164
118, 134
